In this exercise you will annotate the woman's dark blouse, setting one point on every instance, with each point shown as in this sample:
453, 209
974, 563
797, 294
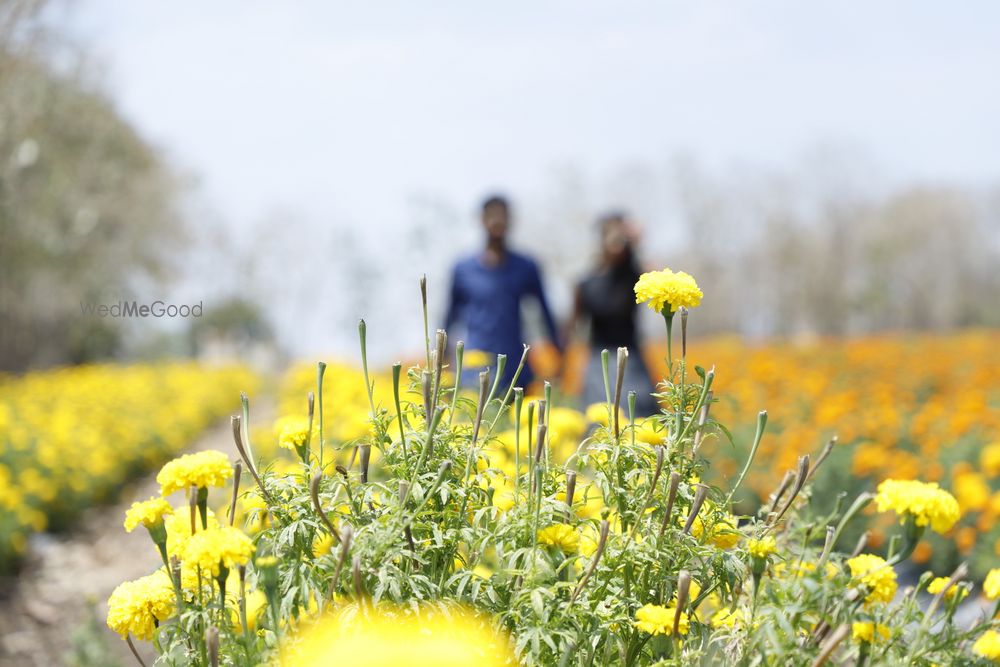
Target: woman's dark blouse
608, 299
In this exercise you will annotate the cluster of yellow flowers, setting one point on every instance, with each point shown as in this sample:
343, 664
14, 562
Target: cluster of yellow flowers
346, 420
346, 411
71, 437
204, 549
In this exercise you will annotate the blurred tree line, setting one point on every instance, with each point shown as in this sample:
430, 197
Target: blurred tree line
827, 246
818, 252
86, 204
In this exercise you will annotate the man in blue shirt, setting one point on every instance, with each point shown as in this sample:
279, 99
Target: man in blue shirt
486, 294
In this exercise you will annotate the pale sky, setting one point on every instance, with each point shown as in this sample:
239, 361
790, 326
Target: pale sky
340, 114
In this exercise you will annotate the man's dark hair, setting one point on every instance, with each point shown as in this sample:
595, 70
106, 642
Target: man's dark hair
496, 200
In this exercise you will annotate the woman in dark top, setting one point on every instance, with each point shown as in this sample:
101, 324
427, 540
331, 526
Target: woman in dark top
606, 299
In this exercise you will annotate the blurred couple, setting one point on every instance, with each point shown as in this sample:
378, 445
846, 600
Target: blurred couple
489, 286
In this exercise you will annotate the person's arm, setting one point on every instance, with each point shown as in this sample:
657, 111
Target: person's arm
569, 329
550, 323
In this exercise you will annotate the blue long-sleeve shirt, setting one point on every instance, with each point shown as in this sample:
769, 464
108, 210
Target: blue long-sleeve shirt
486, 303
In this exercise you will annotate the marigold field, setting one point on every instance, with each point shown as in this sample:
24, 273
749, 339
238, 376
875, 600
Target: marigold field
70, 438
388, 509
901, 405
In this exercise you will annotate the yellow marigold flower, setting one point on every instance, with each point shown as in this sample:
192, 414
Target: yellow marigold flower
869, 632
723, 533
202, 469
226, 547
650, 431
972, 491
927, 503
871, 571
292, 431
763, 547
477, 358
135, 607
178, 527
266, 561
726, 618
560, 535
566, 425
597, 413
387, 638
991, 585
588, 541
937, 585
989, 459
803, 569
661, 289
504, 500
149, 513
659, 620
256, 604
322, 544
988, 645
694, 590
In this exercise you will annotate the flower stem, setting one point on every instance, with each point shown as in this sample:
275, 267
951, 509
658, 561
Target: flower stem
668, 317
396, 368
363, 337
320, 370
761, 423
518, 403
128, 639
459, 356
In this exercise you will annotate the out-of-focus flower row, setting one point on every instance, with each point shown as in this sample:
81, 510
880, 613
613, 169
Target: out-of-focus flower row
72, 437
903, 406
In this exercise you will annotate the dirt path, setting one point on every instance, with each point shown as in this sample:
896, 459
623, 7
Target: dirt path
67, 576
